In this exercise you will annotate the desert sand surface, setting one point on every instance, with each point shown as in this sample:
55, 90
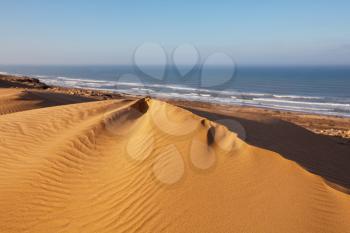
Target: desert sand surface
16, 99
70, 164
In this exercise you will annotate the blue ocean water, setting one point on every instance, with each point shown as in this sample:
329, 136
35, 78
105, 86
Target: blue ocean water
313, 89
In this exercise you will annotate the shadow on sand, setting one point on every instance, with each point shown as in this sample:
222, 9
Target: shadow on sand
319, 154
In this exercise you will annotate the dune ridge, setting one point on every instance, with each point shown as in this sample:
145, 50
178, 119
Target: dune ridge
148, 166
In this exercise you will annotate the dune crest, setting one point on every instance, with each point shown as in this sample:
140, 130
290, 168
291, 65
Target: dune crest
148, 166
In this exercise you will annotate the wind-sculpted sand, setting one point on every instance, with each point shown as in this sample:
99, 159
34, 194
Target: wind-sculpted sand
16, 100
148, 166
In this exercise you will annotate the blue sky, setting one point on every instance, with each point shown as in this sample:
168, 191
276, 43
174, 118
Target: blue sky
107, 32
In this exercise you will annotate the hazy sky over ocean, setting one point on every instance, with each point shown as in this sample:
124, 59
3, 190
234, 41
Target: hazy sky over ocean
107, 32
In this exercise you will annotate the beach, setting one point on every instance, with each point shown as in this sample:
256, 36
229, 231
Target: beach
80, 160
335, 126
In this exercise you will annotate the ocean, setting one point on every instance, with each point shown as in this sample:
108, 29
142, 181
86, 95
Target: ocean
309, 89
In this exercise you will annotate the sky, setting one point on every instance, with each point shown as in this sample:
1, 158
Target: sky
107, 32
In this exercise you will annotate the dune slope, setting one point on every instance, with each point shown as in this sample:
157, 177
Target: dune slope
19, 99
147, 166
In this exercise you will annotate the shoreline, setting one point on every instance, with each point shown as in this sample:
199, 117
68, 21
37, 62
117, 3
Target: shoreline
278, 101
335, 126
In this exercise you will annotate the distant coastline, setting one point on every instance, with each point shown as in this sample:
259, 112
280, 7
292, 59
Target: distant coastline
304, 89
335, 126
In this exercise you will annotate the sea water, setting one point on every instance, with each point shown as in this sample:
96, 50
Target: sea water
311, 89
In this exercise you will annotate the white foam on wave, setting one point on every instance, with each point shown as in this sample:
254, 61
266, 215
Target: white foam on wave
301, 102
82, 80
12, 74
297, 97
303, 108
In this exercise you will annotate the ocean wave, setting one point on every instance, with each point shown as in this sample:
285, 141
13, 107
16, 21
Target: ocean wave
301, 102
298, 97
304, 108
12, 74
117, 84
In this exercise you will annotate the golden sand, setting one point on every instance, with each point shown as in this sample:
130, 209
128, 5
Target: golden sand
147, 166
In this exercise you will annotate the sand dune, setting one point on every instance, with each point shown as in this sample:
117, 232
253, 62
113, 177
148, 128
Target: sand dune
148, 166
17, 99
